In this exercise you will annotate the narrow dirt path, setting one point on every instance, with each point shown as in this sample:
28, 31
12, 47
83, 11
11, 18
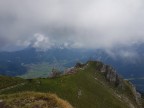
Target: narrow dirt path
10, 87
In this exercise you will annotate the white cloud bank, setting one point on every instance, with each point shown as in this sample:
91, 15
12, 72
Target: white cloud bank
74, 23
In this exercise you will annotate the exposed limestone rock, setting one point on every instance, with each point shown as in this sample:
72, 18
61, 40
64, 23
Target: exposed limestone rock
111, 75
70, 71
137, 95
54, 73
79, 93
79, 65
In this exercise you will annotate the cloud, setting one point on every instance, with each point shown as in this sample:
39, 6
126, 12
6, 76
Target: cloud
38, 41
79, 23
42, 41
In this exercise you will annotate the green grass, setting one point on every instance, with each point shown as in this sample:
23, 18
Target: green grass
143, 103
6, 81
41, 70
85, 89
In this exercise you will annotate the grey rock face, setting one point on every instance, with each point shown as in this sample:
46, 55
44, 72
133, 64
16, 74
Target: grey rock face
137, 95
111, 75
70, 71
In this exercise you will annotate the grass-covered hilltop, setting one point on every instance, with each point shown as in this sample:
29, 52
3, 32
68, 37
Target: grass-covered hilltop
89, 85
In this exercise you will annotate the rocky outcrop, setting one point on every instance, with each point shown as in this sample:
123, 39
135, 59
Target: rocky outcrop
111, 75
79, 65
54, 73
137, 95
113, 78
70, 71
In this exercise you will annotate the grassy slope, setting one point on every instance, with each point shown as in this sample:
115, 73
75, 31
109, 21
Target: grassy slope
34, 100
90, 85
143, 103
9, 81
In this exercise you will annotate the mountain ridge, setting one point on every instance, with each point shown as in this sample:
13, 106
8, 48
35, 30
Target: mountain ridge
93, 80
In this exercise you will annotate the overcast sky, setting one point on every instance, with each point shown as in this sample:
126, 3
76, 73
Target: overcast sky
70, 23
